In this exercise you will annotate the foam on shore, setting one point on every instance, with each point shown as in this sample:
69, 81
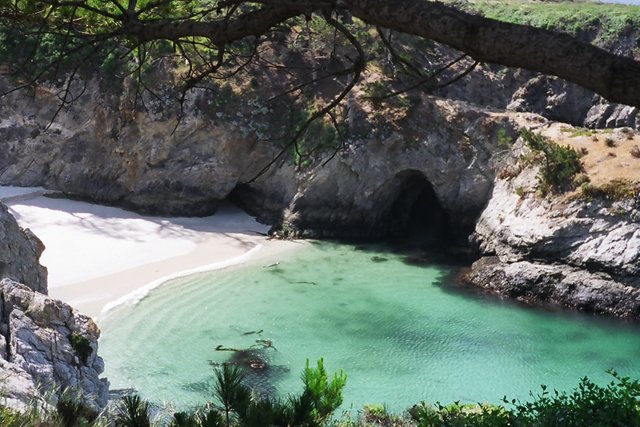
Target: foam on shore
99, 257
139, 294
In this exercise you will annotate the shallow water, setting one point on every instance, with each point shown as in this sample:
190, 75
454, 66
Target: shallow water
400, 332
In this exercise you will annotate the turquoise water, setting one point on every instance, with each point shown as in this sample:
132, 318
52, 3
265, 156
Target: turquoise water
401, 332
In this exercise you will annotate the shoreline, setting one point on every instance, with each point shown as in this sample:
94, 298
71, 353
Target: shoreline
100, 257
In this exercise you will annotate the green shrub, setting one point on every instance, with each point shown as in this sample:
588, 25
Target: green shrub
82, 346
616, 404
132, 412
231, 394
505, 140
457, 414
205, 417
558, 166
11, 418
326, 395
375, 92
70, 410
236, 405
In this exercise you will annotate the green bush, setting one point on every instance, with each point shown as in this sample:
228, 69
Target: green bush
236, 405
589, 404
132, 412
616, 404
558, 166
326, 395
457, 414
82, 346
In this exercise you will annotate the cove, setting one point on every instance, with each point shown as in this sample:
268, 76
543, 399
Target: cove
402, 332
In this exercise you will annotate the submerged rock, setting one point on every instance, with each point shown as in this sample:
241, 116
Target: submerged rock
46, 348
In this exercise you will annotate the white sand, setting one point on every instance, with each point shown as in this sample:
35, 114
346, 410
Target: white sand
100, 256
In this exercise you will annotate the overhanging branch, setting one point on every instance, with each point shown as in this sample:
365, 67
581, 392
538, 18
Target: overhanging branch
614, 77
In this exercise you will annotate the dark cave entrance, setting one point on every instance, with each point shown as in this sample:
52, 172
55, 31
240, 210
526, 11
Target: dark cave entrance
416, 217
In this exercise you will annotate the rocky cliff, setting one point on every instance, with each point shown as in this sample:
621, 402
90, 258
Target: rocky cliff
20, 251
93, 150
414, 160
45, 347
440, 158
430, 160
579, 253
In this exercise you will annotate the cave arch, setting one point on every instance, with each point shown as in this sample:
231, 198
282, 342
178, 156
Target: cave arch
415, 215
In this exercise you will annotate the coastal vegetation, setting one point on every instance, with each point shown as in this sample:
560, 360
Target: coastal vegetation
235, 405
81, 345
558, 165
594, 21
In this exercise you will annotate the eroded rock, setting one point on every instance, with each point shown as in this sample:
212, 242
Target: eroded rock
20, 252
578, 253
593, 234
47, 349
559, 285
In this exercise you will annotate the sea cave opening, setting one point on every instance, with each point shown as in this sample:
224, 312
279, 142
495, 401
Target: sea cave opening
415, 216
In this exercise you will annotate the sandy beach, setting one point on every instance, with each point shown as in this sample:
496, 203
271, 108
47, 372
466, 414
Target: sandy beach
99, 256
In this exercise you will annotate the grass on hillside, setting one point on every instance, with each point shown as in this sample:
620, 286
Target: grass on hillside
608, 20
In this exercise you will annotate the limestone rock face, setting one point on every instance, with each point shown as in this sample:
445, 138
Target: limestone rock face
375, 183
582, 254
103, 149
594, 235
20, 251
46, 347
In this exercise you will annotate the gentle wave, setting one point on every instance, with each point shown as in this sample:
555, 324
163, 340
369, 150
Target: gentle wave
133, 298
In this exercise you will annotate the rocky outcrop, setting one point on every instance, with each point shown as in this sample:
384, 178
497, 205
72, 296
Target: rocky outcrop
103, 149
372, 189
46, 349
578, 253
556, 284
520, 90
20, 251
567, 102
596, 235
555, 99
